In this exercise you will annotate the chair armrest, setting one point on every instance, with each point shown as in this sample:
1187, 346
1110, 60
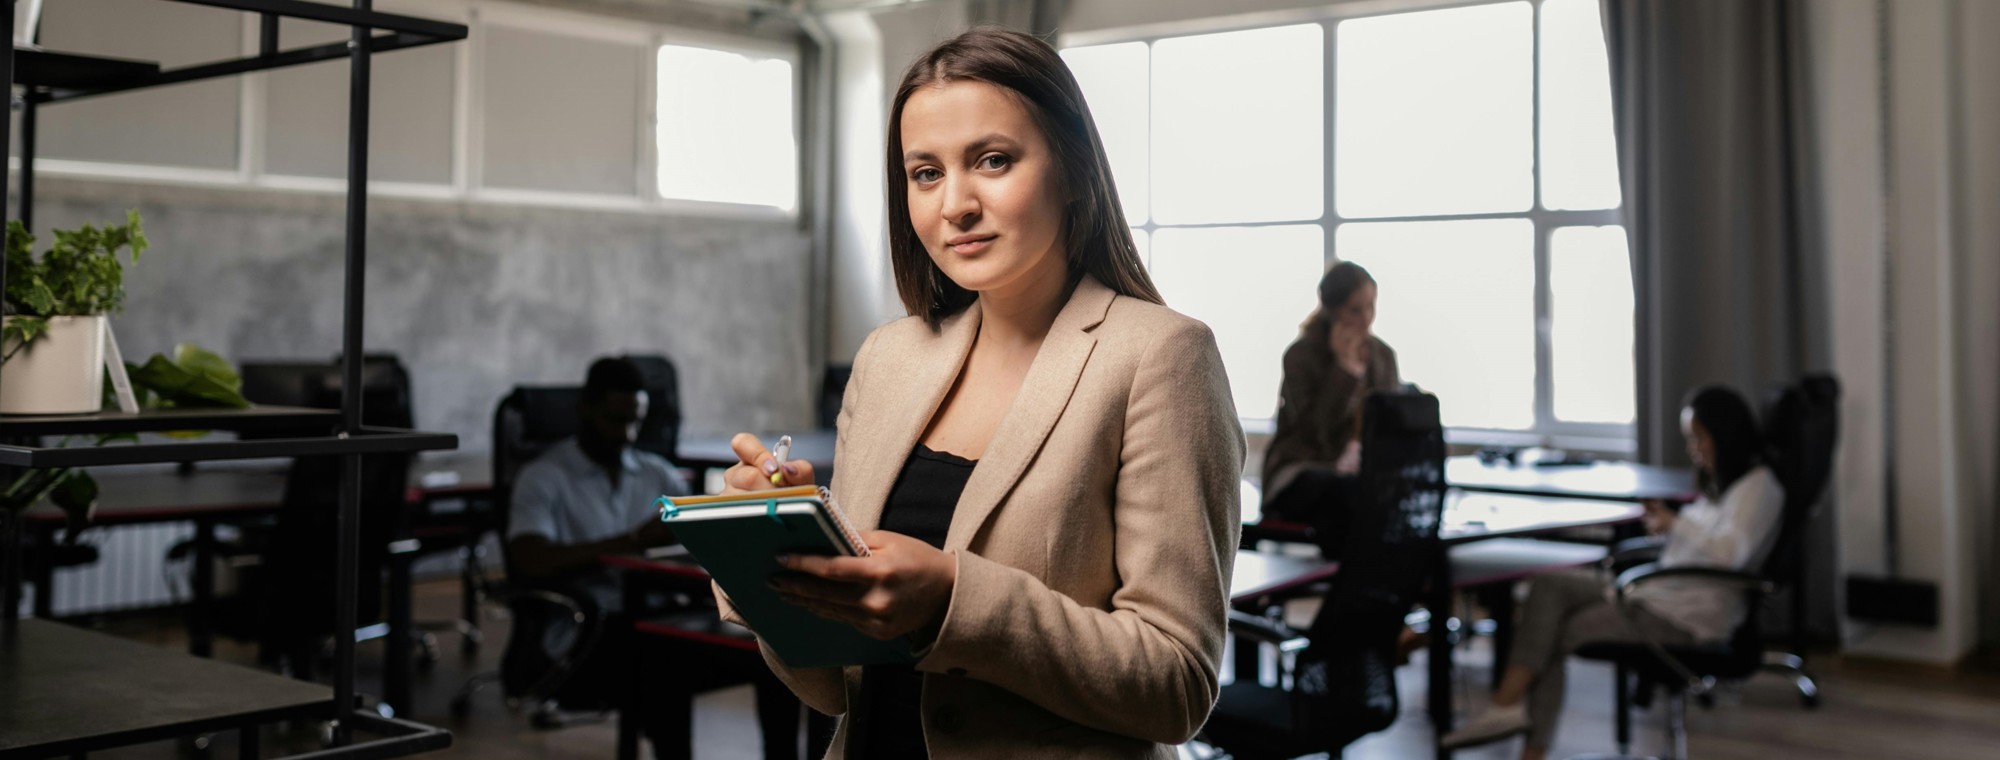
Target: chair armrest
1633, 551
1248, 626
550, 598
1650, 572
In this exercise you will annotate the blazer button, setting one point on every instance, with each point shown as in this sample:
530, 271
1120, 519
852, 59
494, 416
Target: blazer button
946, 719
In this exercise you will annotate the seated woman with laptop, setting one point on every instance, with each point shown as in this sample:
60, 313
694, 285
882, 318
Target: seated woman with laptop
1731, 526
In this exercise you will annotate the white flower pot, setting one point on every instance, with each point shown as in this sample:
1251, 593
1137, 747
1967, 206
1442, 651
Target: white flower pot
27, 14
62, 373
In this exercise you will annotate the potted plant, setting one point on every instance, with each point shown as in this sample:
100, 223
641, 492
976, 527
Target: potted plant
57, 304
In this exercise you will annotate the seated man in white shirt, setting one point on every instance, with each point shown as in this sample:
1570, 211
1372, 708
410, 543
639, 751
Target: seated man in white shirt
594, 495
1732, 526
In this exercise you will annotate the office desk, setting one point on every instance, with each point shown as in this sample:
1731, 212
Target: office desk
1613, 481
712, 452
1507, 519
1486, 537
212, 495
160, 694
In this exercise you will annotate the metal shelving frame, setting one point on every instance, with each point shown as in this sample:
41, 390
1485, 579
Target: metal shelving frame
51, 78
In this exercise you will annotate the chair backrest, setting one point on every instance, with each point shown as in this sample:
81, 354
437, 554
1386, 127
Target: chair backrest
303, 541
1347, 675
529, 421
661, 430
1801, 430
281, 383
832, 389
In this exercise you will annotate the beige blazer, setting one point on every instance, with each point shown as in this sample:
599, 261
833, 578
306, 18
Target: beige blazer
1094, 539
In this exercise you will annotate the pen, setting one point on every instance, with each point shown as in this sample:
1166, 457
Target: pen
780, 451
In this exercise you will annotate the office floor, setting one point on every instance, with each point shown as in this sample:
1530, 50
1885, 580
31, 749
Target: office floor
1870, 710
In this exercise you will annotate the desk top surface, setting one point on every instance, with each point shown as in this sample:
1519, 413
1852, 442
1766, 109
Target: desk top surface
815, 446
60, 684
1622, 481
133, 495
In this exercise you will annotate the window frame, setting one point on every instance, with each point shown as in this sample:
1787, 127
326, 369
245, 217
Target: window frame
466, 185
1614, 438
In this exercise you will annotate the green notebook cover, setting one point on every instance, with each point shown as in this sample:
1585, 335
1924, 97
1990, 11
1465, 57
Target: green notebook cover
737, 540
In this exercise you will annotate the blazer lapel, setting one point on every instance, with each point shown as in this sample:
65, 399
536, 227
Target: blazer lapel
920, 378
1040, 402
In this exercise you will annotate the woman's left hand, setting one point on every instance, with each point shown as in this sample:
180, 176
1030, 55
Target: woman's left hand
902, 587
1659, 519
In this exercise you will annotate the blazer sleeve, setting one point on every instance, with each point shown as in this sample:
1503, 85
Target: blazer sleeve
1145, 667
822, 689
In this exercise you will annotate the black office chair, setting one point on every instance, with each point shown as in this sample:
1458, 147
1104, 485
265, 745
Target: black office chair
1342, 685
1801, 426
298, 582
528, 422
660, 432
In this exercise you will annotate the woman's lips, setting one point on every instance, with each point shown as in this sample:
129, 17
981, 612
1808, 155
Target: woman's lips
966, 245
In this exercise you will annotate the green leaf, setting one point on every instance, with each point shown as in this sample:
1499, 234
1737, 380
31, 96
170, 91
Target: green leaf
78, 492
204, 362
178, 386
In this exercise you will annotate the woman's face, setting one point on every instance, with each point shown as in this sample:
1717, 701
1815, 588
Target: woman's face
1701, 445
985, 192
1359, 311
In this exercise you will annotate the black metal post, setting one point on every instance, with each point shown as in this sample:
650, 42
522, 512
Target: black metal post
28, 119
397, 652
201, 613
247, 746
1439, 666
351, 363
267, 36
10, 568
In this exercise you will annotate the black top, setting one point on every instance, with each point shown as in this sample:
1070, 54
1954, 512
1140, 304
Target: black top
920, 506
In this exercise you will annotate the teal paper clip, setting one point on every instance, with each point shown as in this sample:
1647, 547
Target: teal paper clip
771, 511
667, 509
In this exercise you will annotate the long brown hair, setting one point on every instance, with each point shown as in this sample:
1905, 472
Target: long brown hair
1096, 240
1335, 287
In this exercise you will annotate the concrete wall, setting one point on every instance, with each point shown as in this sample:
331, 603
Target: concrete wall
475, 298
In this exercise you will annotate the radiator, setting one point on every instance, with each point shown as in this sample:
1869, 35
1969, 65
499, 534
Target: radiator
131, 571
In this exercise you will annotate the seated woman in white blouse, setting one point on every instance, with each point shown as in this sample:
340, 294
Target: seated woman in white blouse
1732, 526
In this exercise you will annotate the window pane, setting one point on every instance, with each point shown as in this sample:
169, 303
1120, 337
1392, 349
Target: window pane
1115, 87
1579, 155
1237, 126
1590, 332
557, 112
1457, 303
1253, 286
1435, 112
725, 128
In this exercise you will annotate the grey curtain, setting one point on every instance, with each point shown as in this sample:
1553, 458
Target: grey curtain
1716, 154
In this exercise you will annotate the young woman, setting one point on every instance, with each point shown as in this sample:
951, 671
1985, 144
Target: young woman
1732, 526
1315, 453
1047, 456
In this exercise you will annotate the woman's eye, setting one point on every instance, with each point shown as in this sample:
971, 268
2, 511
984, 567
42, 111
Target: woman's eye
994, 161
926, 174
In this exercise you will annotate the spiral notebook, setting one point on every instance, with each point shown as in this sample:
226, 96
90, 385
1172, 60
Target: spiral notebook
737, 538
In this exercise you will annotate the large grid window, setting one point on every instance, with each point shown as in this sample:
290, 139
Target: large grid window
1463, 155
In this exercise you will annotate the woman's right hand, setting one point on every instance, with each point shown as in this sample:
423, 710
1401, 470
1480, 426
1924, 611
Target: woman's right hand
1350, 347
757, 464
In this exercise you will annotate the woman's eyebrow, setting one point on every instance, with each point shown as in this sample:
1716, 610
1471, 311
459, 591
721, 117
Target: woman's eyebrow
994, 140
